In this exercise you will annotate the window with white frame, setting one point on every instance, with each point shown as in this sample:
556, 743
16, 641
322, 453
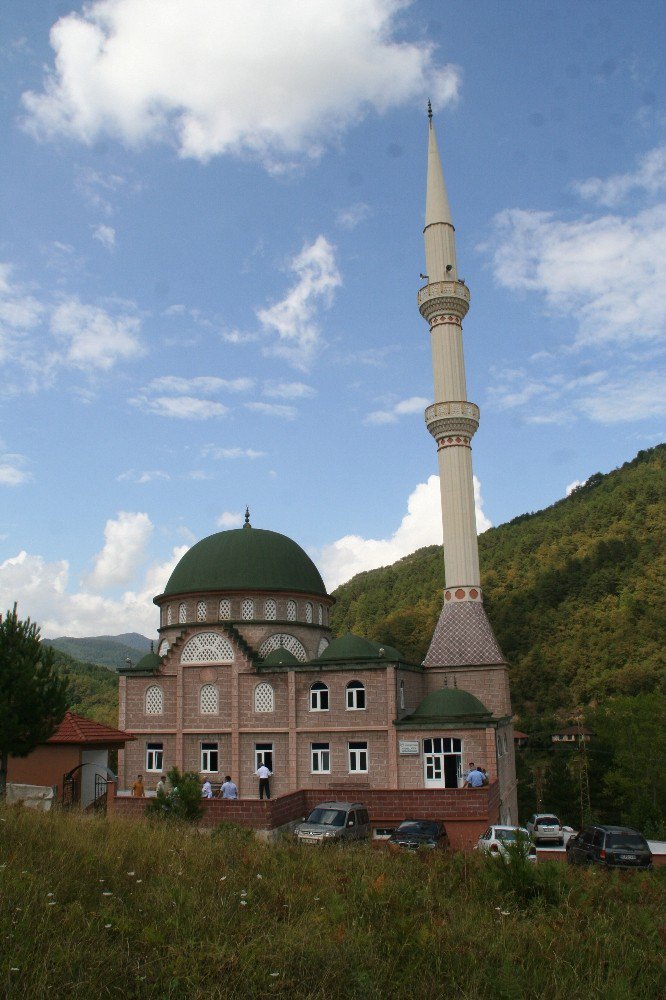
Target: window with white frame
355, 696
263, 754
225, 609
320, 758
207, 647
401, 693
154, 700
264, 699
169, 614
208, 700
154, 756
291, 611
247, 609
320, 614
319, 697
270, 610
201, 611
308, 612
358, 756
209, 758
182, 614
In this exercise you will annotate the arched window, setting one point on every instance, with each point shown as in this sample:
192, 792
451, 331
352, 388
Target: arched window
355, 696
320, 614
163, 648
402, 694
308, 613
182, 614
264, 698
154, 700
283, 641
169, 617
208, 700
207, 647
291, 611
201, 611
247, 609
270, 610
323, 644
319, 697
225, 609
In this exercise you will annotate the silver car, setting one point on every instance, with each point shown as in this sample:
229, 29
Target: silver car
499, 841
331, 821
545, 827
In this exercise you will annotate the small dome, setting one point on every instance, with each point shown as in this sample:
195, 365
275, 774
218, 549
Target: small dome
279, 657
354, 647
450, 704
245, 559
150, 662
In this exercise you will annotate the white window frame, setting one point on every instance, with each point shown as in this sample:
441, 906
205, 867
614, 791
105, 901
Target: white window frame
156, 688
320, 758
269, 696
261, 750
210, 754
291, 611
355, 692
224, 609
319, 696
357, 751
247, 605
216, 693
154, 757
270, 610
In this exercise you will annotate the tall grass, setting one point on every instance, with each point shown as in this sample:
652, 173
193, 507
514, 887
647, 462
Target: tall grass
93, 909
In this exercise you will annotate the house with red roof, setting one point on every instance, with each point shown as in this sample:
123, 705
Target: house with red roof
72, 760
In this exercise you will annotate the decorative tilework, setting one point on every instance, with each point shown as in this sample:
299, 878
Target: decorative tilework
463, 637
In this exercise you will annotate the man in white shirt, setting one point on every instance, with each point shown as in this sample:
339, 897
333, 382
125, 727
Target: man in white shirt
229, 790
264, 774
206, 790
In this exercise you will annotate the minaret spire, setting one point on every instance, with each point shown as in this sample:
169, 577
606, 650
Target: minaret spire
452, 420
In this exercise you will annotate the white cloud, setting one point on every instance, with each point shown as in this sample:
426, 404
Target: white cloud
41, 589
288, 390
202, 385
125, 541
421, 525
194, 72
415, 404
350, 218
181, 407
574, 486
141, 478
214, 451
92, 337
634, 397
228, 519
106, 236
279, 410
294, 317
13, 471
649, 177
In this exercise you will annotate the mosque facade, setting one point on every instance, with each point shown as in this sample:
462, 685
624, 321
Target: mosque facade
247, 671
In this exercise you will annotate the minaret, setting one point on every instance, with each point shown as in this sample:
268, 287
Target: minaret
463, 636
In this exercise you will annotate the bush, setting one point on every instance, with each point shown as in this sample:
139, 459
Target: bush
182, 801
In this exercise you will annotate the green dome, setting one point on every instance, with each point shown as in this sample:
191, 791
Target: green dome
150, 661
450, 704
278, 657
245, 559
354, 647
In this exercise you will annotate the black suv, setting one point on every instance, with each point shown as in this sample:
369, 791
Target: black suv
612, 846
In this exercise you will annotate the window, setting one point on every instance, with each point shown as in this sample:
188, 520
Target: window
291, 611
201, 611
270, 610
283, 641
208, 700
247, 609
209, 758
323, 644
442, 761
320, 758
182, 614
308, 613
355, 696
320, 614
402, 694
207, 647
163, 648
358, 756
319, 697
264, 700
154, 756
263, 754
154, 700
169, 615
225, 609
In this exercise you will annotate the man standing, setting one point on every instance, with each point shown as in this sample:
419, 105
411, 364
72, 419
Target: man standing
206, 790
229, 789
137, 788
161, 785
475, 779
264, 774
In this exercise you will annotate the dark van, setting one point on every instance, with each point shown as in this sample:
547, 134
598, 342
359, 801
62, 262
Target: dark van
611, 846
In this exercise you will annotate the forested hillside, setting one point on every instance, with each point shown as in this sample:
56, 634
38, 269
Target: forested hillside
575, 593
94, 689
107, 650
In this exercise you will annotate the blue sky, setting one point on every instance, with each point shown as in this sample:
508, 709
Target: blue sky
210, 244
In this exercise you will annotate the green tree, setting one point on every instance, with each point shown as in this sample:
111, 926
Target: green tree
33, 697
182, 801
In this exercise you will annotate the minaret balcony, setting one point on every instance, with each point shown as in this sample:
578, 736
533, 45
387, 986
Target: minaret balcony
443, 297
453, 419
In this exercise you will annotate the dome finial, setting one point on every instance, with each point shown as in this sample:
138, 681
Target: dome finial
430, 112
247, 518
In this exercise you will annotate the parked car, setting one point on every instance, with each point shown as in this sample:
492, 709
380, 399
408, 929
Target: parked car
414, 833
611, 846
331, 821
499, 840
545, 827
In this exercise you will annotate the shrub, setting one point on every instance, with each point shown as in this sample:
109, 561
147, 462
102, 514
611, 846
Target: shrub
182, 801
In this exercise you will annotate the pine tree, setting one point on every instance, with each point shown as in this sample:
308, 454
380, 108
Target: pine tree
33, 697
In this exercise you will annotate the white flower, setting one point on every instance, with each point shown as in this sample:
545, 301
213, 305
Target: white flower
139, 881
274, 973
50, 894
244, 892
52, 902
107, 926
261, 876
107, 894
243, 902
131, 873
223, 878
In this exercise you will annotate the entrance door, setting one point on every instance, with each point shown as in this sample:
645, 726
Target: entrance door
442, 762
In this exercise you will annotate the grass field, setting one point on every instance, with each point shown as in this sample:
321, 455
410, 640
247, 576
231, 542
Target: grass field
91, 909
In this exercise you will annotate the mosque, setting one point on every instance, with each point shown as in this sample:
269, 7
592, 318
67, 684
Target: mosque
247, 672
